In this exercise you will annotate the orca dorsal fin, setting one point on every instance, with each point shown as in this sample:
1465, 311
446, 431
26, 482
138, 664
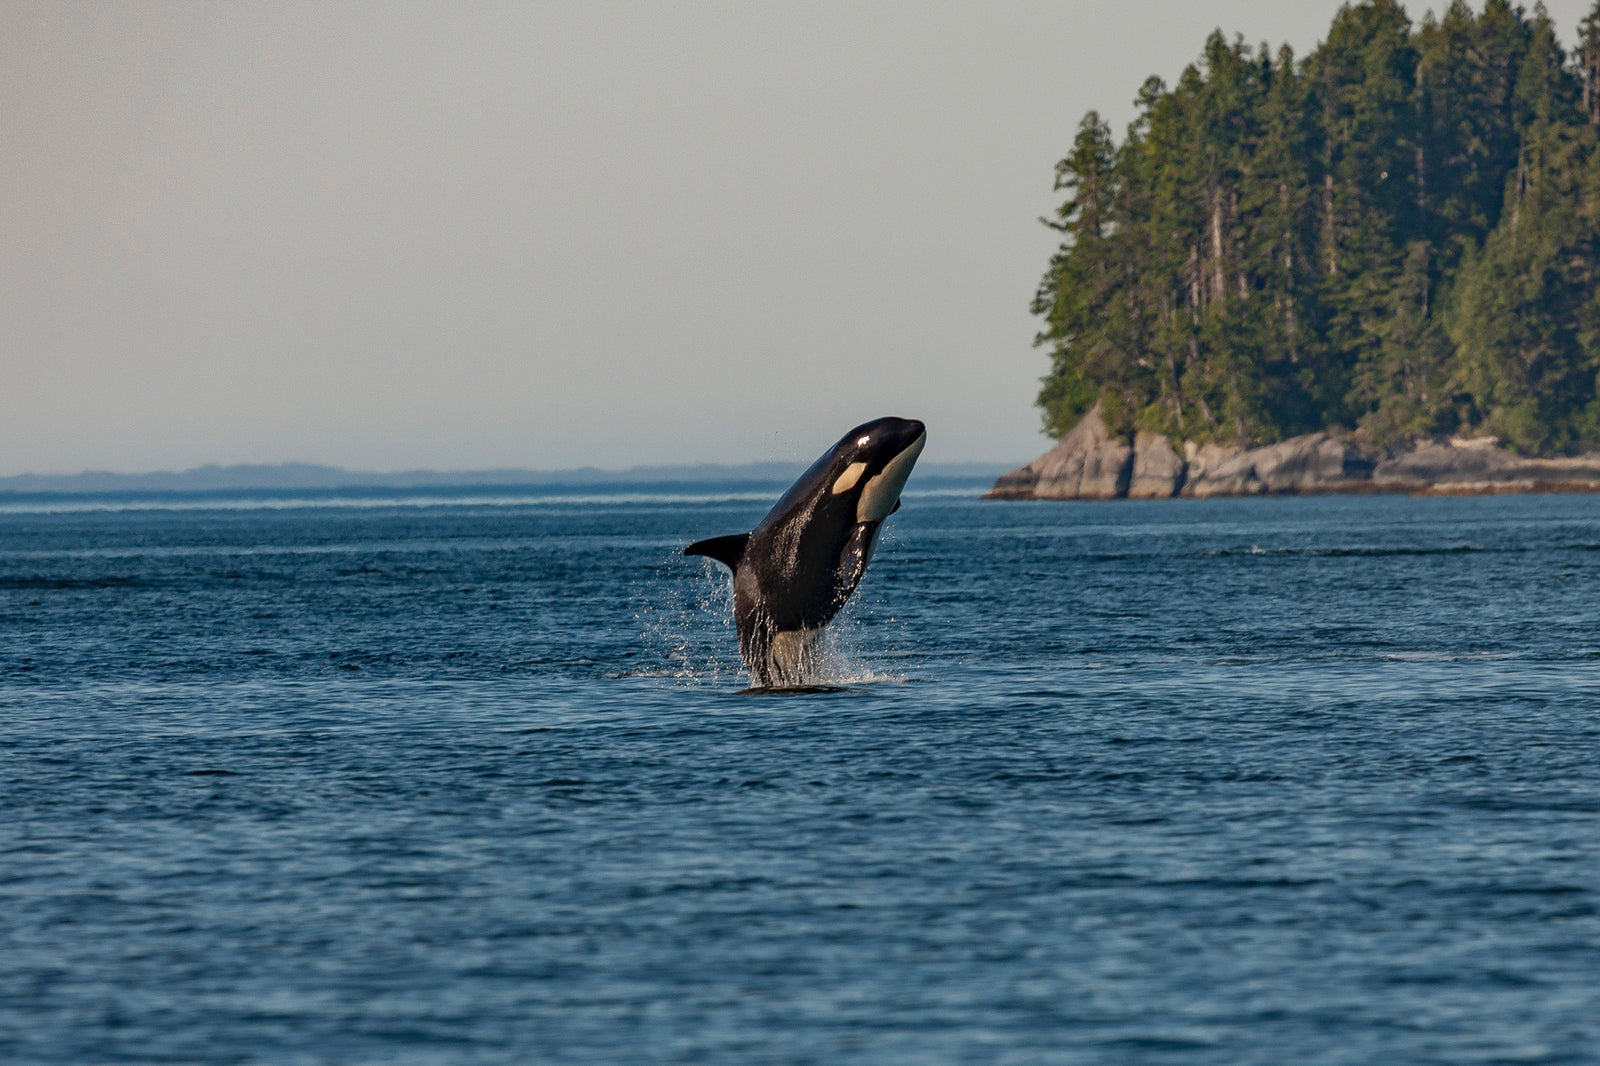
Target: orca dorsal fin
725, 550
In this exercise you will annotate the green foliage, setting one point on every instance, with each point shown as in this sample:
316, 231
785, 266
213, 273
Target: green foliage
1399, 234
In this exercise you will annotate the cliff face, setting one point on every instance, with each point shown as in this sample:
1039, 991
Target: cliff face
1087, 465
1090, 464
1317, 462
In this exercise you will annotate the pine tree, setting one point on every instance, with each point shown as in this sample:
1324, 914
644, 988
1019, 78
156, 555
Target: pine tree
1080, 277
1526, 318
1399, 235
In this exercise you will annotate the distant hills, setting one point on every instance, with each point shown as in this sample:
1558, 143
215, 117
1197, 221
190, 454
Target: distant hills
311, 477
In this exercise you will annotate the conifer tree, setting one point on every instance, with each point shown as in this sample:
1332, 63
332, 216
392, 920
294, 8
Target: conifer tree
1398, 235
1526, 312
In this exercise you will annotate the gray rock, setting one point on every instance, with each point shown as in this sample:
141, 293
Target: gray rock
1218, 471
1018, 484
1316, 462
1158, 472
1106, 471
1434, 463
1458, 468
1087, 463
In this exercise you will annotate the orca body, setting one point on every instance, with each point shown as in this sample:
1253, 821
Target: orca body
793, 572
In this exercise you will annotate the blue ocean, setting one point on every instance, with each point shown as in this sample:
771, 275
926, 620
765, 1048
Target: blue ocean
475, 779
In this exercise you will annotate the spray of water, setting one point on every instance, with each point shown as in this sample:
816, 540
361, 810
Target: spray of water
861, 633
689, 637
687, 626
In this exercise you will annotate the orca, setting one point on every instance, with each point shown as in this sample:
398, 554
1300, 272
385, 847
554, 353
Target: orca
793, 572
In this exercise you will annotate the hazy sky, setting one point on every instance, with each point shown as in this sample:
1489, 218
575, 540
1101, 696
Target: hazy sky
454, 235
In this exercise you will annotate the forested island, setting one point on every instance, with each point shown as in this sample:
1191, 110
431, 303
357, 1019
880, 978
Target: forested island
1390, 243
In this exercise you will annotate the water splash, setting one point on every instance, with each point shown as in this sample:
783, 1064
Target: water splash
839, 655
688, 629
862, 633
691, 639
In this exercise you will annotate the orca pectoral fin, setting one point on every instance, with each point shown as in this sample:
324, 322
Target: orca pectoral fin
725, 550
855, 557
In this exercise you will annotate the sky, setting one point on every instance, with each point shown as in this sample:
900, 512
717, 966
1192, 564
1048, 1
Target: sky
544, 234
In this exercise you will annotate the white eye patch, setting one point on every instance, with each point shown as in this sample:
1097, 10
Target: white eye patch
848, 479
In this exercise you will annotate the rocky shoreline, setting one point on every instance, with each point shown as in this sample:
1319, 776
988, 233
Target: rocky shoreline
1091, 464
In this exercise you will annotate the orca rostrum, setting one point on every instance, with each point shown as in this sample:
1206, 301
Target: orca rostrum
793, 572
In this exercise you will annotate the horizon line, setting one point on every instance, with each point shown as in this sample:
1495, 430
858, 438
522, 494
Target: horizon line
304, 464
297, 475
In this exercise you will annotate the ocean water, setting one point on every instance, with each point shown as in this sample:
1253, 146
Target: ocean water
474, 781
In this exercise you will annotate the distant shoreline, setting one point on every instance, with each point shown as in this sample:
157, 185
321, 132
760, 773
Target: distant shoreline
318, 482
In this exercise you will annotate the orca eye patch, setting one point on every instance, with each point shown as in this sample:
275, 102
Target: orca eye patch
847, 480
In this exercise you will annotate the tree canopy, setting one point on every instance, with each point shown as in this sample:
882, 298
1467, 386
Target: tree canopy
1398, 234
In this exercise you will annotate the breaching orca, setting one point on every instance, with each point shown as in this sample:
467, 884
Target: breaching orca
793, 572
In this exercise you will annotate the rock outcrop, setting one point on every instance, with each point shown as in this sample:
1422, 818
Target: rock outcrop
1467, 468
1087, 464
1218, 471
1091, 464
1316, 462
1158, 472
